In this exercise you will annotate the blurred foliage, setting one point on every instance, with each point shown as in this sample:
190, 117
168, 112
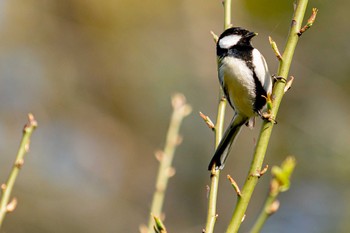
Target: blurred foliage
98, 76
268, 11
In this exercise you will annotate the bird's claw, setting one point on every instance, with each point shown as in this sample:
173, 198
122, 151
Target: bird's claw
268, 116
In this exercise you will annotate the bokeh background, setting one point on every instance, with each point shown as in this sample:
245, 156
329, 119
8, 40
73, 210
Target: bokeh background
99, 75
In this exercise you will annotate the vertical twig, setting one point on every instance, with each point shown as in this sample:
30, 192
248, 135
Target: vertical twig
180, 110
265, 132
227, 13
5, 204
219, 127
279, 183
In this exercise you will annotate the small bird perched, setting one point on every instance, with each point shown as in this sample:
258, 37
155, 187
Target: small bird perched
246, 82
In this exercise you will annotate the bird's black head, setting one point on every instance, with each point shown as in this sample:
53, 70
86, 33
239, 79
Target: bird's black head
235, 37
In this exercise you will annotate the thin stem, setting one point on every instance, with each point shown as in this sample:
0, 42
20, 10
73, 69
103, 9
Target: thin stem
265, 213
227, 13
180, 110
219, 128
265, 133
215, 174
279, 183
5, 204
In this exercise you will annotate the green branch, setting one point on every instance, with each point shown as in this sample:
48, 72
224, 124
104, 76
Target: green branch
266, 129
279, 183
219, 128
215, 174
180, 110
5, 204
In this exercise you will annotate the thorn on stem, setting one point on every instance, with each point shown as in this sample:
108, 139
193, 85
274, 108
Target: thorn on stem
32, 120
273, 207
207, 120
3, 187
264, 170
289, 84
215, 37
12, 205
234, 185
178, 100
243, 217
179, 140
159, 154
274, 187
32, 123
310, 22
171, 171
27, 146
260, 173
207, 188
275, 49
179, 103
19, 163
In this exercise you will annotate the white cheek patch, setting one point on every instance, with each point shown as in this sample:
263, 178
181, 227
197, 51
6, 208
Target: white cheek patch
229, 41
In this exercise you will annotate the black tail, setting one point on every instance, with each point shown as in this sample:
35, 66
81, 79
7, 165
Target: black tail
224, 146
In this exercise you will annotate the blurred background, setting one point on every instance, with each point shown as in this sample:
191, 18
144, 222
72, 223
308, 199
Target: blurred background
98, 76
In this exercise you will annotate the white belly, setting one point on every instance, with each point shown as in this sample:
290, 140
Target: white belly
240, 89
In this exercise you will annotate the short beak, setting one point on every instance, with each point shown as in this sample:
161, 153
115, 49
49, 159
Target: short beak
250, 35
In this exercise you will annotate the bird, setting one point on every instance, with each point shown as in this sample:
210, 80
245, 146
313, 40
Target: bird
246, 83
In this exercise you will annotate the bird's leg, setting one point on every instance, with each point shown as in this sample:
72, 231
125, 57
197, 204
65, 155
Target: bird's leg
268, 115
